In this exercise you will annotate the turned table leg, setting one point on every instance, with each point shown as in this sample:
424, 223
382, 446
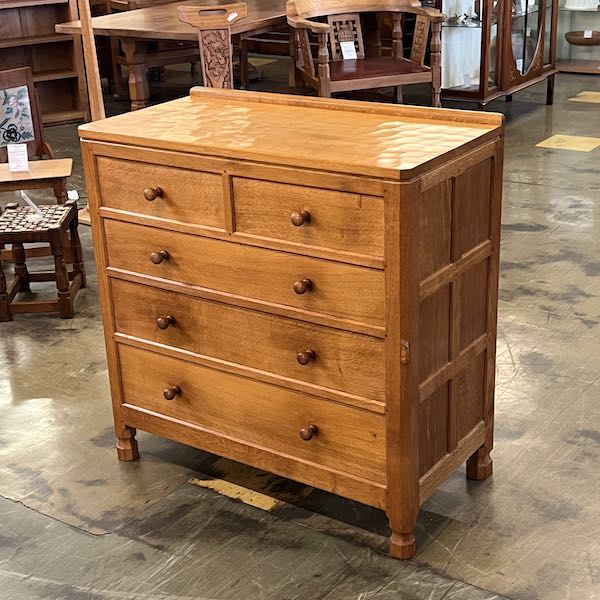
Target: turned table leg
127, 448
135, 59
60, 190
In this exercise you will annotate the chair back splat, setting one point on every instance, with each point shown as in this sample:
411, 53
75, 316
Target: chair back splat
214, 36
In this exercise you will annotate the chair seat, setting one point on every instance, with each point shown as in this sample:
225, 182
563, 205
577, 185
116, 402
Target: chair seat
372, 67
39, 170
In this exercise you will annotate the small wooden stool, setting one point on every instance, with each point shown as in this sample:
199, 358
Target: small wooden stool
18, 226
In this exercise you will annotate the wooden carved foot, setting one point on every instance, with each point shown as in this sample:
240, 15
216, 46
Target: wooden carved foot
479, 466
127, 448
402, 545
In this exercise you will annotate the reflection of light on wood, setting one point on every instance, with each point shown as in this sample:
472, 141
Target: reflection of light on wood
570, 142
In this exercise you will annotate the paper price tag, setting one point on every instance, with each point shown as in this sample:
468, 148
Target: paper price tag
348, 50
232, 16
18, 161
587, 34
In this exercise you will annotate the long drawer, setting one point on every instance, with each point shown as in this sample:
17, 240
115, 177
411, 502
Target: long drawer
312, 284
165, 193
309, 216
320, 356
298, 425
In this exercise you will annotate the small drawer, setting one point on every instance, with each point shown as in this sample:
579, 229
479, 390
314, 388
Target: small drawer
322, 286
321, 356
343, 438
169, 193
310, 216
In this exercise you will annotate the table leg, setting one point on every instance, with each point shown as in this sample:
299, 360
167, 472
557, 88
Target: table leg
135, 59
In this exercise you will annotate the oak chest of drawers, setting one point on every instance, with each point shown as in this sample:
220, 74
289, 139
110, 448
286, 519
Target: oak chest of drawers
308, 286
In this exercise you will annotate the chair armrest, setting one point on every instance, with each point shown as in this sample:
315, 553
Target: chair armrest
433, 14
297, 22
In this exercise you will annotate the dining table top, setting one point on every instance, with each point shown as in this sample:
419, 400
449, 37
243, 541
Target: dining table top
161, 22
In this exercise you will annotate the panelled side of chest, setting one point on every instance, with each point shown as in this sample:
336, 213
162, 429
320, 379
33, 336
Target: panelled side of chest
441, 293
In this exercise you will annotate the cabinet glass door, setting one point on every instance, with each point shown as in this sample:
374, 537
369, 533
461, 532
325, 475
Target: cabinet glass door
465, 34
526, 27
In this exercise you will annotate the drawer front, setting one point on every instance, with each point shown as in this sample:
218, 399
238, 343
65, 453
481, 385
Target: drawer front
317, 355
347, 439
192, 197
303, 215
328, 287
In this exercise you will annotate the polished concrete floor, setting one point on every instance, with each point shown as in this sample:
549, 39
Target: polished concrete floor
180, 524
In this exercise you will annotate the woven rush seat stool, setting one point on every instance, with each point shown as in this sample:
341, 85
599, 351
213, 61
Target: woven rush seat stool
18, 226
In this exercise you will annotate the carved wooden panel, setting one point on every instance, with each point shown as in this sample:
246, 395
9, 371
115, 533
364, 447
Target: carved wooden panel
345, 28
420, 36
216, 58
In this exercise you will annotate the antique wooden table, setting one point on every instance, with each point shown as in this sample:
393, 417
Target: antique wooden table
136, 28
304, 285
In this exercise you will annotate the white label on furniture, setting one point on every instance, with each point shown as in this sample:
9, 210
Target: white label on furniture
73, 195
587, 34
17, 158
232, 16
348, 50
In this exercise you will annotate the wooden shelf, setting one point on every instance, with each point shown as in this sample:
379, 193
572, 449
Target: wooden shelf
579, 66
54, 75
24, 3
65, 116
28, 38
33, 40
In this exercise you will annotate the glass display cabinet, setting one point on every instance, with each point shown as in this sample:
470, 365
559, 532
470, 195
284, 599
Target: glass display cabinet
493, 48
578, 40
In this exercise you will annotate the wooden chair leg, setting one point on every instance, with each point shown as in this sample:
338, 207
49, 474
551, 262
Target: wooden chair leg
21, 271
4, 304
65, 302
60, 190
76, 252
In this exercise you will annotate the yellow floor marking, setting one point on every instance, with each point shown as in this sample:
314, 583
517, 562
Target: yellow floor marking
592, 97
250, 486
570, 142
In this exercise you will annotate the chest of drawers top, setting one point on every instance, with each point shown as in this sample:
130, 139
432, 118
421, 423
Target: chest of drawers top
358, 138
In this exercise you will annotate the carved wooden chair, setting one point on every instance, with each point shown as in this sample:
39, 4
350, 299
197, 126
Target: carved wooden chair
339, 22
21, 122
214, 36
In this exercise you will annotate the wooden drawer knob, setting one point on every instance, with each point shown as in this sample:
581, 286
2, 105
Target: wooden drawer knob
307, 433
158, 257
299, 218
306, 356
153, 193
164, 322
303, 286
171, 392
